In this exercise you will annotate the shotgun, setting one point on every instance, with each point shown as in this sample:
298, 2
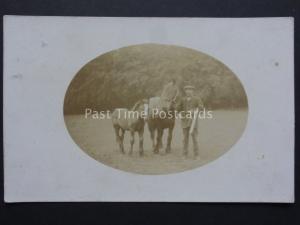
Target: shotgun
195, 117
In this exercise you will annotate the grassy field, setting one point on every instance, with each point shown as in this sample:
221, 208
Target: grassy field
216, 136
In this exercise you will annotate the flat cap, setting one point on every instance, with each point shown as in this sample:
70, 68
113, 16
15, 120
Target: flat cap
188, 87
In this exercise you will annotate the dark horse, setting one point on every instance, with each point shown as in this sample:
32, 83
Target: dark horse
157, 122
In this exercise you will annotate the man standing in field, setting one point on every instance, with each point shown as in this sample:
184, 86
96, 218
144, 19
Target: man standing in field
189, 107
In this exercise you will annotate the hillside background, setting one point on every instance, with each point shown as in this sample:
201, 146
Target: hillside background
120, 78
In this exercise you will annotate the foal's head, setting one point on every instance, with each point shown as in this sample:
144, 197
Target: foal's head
141, 106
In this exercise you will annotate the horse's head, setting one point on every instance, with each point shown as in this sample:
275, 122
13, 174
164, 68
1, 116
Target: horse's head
176, 103
141, 106
171, 105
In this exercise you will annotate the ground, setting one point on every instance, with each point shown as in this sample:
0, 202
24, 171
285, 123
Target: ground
96, 137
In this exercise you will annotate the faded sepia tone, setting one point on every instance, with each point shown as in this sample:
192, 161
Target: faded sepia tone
124, 77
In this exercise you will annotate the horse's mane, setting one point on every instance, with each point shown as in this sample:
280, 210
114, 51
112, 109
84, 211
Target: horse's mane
135, 106
154, 102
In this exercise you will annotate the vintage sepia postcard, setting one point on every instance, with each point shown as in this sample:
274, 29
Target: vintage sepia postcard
148, 109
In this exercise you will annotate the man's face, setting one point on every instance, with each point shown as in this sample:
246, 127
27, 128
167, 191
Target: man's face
189, 92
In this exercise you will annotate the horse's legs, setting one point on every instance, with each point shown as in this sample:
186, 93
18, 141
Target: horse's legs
152, 132
118, 138
158, 139
131, 141
160, 144
170, 134
152, 135
141, 140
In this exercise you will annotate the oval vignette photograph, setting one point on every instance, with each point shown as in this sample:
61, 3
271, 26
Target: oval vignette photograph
155, 109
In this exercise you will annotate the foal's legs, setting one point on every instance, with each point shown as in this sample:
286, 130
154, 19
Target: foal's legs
118, 138
131, 141
122, 140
